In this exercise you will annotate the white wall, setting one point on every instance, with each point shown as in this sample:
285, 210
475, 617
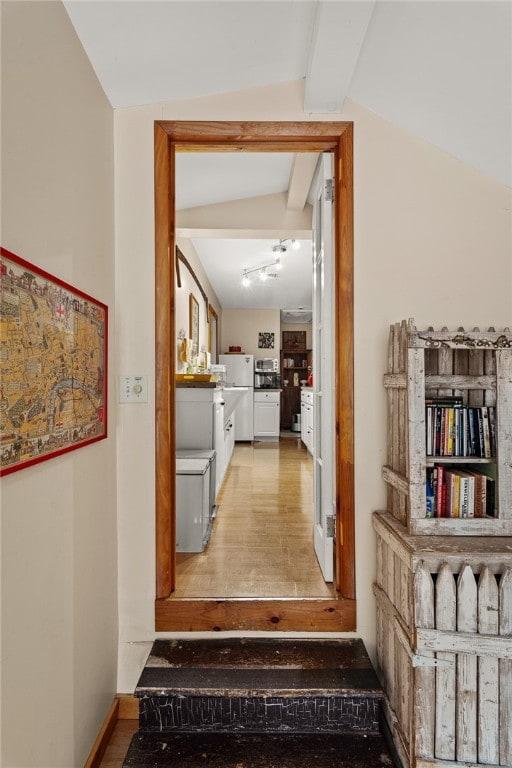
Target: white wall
59, 569
432, 241
182, 299
241, 328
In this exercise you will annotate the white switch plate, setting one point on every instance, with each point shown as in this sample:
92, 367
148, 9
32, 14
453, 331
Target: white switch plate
133, 389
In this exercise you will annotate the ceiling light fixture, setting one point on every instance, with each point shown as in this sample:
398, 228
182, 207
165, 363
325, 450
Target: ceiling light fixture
262, 272
277, 250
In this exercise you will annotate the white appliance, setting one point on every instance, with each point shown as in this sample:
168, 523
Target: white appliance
211, 457
193, 513
266, 364
240, 373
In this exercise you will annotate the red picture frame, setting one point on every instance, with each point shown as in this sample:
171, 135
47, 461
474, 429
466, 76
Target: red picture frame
53, 366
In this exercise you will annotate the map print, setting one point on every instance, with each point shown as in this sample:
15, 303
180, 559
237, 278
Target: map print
52, 366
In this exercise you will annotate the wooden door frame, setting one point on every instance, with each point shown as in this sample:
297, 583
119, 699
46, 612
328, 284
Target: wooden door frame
298, 614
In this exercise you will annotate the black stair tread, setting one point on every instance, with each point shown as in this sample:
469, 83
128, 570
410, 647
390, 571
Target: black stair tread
267, 682
241, 667
257, 652
219, 750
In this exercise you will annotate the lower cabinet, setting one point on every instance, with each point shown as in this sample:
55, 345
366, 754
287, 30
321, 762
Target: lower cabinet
229, 439
266, 414
306, 418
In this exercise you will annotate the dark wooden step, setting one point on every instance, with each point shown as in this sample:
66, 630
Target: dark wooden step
229, 750
257, 685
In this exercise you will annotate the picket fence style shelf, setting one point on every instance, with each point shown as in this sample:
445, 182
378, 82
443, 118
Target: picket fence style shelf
444, 584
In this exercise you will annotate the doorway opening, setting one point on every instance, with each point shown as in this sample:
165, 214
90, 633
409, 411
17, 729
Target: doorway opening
260, 536
329, 614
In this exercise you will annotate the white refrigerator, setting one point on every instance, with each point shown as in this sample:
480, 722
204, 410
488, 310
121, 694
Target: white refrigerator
240, 373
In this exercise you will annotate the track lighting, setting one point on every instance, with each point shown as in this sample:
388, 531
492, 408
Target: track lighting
277, 251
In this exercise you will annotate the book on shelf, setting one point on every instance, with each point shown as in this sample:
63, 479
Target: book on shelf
439, 488
455, 429
492, 428
459, 492
473, 433
430, 496
486, 432
467, 494
452, 480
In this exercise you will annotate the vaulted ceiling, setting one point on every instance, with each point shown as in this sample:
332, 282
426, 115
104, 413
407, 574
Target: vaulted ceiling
440, 70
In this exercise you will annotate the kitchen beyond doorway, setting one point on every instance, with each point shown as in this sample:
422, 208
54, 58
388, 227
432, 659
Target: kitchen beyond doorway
261, 544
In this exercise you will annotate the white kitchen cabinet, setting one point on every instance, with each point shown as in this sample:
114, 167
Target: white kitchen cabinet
229, 439
267, 414
307, 418
200, 423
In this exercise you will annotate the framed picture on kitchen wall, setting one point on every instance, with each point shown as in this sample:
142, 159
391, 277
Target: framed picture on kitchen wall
265, 340
194, 321
53, 366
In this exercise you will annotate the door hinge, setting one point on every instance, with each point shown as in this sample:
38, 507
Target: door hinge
329, 191
330, 526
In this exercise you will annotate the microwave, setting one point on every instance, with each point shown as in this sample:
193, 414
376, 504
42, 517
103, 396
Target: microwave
267, 380
269, 364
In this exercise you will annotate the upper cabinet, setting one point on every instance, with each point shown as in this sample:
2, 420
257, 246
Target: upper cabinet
295, 369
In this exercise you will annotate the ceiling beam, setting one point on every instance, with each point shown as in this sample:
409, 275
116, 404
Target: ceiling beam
338, 36
301, 176
263, 213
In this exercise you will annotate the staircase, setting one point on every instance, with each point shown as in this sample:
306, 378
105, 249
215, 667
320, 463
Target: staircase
258, 703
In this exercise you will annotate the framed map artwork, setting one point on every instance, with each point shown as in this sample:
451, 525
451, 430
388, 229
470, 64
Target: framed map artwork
53, 366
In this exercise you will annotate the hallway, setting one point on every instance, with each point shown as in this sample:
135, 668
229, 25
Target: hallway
262, 538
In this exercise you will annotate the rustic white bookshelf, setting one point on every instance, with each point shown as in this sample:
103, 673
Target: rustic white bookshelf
444, 585
476, 365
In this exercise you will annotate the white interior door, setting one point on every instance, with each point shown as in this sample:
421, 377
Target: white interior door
323, 368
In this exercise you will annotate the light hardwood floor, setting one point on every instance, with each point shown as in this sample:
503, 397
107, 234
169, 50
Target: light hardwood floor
118, 744
262, 538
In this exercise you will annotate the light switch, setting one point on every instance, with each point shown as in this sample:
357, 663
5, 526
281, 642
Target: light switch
133, 389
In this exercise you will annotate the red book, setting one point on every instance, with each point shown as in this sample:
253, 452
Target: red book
439, 492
